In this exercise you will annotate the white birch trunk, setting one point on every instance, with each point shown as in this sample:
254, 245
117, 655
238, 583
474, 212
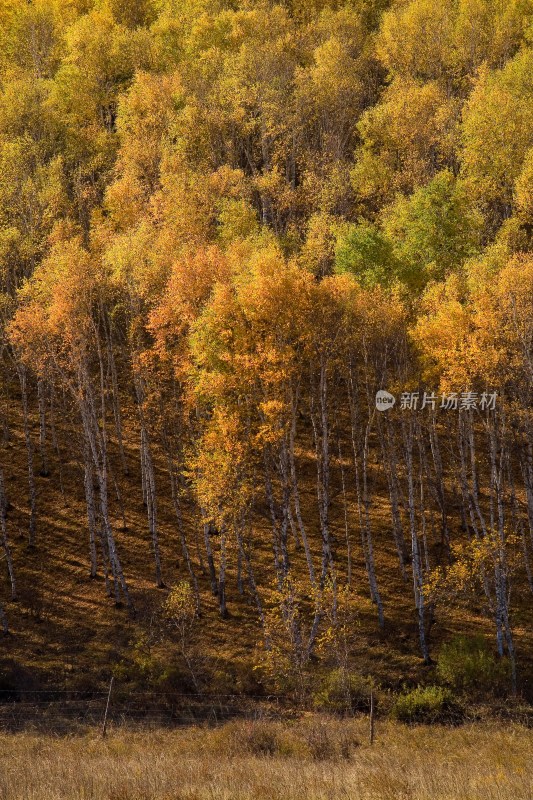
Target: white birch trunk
41, 395
21, 369
418, 579
5, 540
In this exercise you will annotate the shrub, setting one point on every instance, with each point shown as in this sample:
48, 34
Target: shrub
235, 677
329, 742
315, 738
426, 704
343, 691
467, 664
262, 740
258, 738
175, 678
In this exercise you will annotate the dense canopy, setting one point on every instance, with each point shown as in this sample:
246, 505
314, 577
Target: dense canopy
224, 226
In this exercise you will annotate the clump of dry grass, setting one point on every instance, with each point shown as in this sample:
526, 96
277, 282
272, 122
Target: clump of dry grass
312, 738
310, 759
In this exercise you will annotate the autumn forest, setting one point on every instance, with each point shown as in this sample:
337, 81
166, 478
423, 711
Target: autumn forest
266, 346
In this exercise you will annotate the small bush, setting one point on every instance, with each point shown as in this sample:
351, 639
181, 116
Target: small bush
468, 664
329, 742
427, 704
174, 678
322, 747
227, 678
315, 738
258, 738
343, 691
262, 740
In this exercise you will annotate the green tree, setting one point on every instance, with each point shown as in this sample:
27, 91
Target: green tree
365, 251
434, 231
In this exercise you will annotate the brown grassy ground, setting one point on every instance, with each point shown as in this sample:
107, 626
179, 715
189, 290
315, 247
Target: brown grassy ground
313, 759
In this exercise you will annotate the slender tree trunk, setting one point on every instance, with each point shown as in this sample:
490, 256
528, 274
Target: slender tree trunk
55, 442
91, 508
360, 459
463, 478
418, 582
112, 368
389, 465
501, 571
474, 481
97, 440
269, 492
151, 502
321, 430
346, 523
105, 562
3, 621
41, 395
21, 369
285, 507
296, 494
368, 533
222, 574
252, 585
440, 495
210, 560
517, 523
174, 490
526, 464
5, 540
280, 514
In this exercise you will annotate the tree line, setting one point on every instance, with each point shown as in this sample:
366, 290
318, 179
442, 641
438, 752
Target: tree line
243, 220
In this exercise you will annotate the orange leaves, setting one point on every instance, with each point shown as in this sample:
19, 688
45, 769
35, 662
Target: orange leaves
144, 121
483, 334
193, 279
68, 284
407, 137
191, 283
443, 333
54, 322
27, 333
259, 338
471, 563
497, 131
274, 422
504, 316
221, 468
257, 342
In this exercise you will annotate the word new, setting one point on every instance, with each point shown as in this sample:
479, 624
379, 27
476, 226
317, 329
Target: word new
453, 401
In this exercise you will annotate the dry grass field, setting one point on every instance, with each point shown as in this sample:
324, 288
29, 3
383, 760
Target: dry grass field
312, 759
